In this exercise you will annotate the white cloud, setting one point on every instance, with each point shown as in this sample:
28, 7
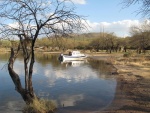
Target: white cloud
14, 25
76, 1
120, 28
79, 1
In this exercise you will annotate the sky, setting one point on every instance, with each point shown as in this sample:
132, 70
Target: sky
108, 16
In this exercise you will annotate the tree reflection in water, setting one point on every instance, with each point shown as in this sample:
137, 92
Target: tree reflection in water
78, 85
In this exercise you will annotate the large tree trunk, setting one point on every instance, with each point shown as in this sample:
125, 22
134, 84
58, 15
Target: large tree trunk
27, 95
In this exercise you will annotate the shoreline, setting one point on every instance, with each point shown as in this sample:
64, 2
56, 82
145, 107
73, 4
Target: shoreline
132, 92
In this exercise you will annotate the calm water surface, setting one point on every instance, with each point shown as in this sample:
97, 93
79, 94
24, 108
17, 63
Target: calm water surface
74, 86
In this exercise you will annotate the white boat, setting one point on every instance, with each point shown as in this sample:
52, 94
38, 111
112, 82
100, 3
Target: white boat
74, 55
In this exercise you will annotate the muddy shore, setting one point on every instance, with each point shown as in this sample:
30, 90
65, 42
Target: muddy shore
133, 83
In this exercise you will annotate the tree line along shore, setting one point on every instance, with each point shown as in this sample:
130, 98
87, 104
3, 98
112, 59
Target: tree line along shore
94, 42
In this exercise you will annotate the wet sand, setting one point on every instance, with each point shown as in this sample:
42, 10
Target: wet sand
133, 88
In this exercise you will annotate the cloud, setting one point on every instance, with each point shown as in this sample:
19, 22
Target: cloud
120, 28
79, 1
14, 25
76, 1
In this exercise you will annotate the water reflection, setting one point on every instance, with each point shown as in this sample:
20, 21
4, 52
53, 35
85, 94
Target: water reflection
74, 63
78, 85
70, 100
46, 59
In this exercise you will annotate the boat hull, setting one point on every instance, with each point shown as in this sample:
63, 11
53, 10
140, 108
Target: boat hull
66, 57
74, 55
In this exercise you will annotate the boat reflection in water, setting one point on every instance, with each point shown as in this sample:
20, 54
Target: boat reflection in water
73, 63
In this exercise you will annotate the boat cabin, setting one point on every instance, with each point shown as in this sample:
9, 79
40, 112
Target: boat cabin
75, 53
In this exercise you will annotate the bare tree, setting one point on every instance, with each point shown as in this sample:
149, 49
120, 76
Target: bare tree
144, 9
140, 36
29, 19
106, 41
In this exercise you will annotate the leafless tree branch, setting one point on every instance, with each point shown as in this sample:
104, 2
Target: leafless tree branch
26, 20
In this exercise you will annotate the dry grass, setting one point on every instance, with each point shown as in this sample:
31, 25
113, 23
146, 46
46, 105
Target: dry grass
132, 93
4, 49
111, 59
138, 60
40, 106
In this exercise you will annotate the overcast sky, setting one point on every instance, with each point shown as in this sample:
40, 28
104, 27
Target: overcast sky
108, 15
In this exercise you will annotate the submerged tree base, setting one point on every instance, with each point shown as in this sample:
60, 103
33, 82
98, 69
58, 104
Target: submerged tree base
40, 106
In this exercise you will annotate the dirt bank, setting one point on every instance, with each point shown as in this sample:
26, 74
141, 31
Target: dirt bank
133, 79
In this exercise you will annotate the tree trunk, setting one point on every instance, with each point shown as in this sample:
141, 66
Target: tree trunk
26, 95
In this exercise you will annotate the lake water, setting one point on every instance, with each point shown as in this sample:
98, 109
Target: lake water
77, 86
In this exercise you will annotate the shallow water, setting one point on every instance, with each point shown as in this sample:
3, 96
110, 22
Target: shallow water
74, 86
